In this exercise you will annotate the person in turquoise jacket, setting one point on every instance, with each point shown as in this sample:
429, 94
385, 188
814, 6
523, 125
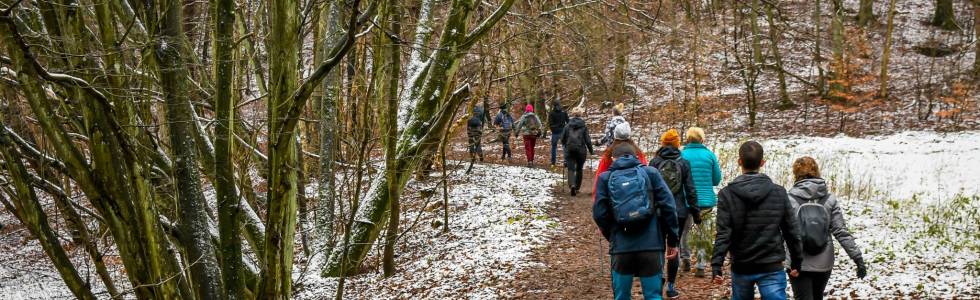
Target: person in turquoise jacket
707, 174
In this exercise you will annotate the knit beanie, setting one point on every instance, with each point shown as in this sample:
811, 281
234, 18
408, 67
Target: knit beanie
622, 131
671, 138
529, 108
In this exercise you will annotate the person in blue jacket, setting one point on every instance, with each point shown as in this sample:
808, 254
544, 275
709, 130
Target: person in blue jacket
637, 251
707, 174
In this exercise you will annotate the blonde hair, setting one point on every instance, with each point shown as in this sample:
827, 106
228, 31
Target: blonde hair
619, 108
578, 111
695, 134
805, 168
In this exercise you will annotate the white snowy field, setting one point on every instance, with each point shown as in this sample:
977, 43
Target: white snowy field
496, 219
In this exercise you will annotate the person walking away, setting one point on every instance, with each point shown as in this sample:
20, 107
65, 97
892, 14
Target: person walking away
621, 138
755, 220
529, 127
504, 123
557, 119
576, 143
706, 173
608, 138
635, 211
676, 172
474, 130
820, 218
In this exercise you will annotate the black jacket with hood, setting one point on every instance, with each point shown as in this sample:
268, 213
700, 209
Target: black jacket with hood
755, 219
575, 137
557, 119
688, 197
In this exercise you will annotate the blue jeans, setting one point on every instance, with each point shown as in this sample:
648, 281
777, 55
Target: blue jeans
623, 286
555, 136
772, 286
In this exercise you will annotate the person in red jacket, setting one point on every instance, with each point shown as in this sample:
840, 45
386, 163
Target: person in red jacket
621, 144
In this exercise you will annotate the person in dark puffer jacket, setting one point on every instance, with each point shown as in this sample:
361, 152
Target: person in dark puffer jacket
474, 130
815, 270
557, 119
636, 253
577, 144
755, 220
686, 198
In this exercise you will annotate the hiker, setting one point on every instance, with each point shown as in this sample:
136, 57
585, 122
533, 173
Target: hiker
755, 219
474, 130
575, 140
816, 206
557, 119
529, 127
707, 174
635, 211
504, 123
621, 135
676, 172
607, 138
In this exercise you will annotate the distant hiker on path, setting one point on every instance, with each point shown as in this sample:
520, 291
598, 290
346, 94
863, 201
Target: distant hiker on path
676, 172
575, 140
755, 220
707, 174
820, 217
557, 119
529, 127
608, 138
504, 123
621, 139
635, 211
474, 130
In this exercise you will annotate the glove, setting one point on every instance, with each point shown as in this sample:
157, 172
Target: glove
696, 217
862, 270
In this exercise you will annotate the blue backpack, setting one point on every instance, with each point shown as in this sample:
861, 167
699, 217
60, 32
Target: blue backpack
630, 193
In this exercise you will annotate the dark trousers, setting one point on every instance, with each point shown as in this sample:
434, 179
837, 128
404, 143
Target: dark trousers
674, 264
810, 285
574, 162
505, 139
555, 136
475, 148
529, 141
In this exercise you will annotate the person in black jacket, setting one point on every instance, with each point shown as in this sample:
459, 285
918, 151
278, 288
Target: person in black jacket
755, 219
676, 172
474, 130
557, 119
577, 144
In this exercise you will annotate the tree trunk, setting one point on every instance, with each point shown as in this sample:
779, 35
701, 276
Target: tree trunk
886, 51
944, 16
866, 14
775, 37
837, 47
326, 190
391, 22
976, 39
817, 56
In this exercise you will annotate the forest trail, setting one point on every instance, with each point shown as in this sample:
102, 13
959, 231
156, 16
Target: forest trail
575, 263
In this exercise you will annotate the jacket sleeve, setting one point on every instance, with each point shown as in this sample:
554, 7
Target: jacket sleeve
601, 212
564, 136
790, 227
716, 170
587, 139
689, 190
839, 228
664, 202
723, 233
608, 134
519, 124
497, 120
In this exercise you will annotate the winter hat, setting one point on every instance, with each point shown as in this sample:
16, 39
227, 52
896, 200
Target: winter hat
622, 131
529, 108
671, 138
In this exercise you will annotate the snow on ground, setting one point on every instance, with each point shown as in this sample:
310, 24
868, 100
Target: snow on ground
496, 219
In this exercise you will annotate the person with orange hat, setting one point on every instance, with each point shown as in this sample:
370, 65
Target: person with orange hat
676, 172
529, 127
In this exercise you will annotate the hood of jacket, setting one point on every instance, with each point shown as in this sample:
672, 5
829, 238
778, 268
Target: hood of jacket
576, 123
752, 188
477, 111
810, 189
668, 152
625, 162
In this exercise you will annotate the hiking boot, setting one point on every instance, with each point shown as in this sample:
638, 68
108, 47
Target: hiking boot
574, 192
686, 265
673, 294
699, 273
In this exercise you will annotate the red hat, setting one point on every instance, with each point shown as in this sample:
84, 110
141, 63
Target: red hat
529, 108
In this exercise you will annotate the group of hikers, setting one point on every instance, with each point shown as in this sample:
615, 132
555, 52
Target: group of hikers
646, 208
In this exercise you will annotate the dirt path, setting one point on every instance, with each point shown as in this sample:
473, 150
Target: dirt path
575, 265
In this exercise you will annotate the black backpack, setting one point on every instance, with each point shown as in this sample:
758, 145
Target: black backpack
575, 135
670, 169
814, 226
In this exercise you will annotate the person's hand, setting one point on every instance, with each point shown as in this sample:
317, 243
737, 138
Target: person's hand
718, 280
794, 273
671, 252
696, 217
862, 270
